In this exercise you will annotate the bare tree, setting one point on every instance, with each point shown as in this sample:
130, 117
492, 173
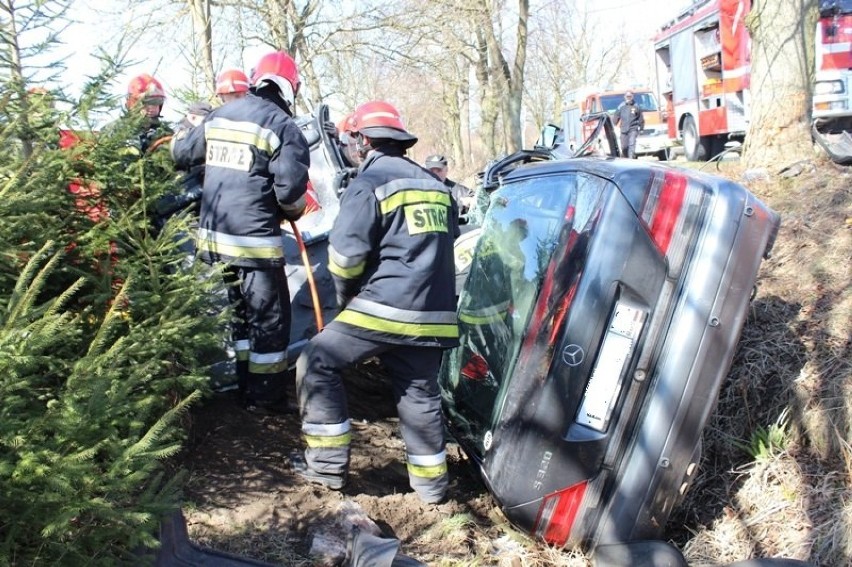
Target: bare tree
509, 74
566, 53
781, 78
203, 33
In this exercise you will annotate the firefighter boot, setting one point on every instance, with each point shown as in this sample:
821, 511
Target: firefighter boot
301, 468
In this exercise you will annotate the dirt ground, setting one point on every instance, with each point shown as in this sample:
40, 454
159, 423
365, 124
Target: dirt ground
243, 498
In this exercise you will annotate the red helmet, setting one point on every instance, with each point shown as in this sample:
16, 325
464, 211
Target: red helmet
145, 89
232, 81
380, 120
343, 125
278, 68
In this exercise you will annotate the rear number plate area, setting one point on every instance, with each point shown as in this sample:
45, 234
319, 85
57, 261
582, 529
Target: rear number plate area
606, 380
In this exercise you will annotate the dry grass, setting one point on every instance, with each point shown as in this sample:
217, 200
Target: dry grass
794, 498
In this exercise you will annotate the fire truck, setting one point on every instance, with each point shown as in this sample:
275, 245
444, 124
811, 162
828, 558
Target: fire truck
832, 100
703, 64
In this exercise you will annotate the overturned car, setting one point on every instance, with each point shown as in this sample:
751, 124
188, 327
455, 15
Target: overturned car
599, 317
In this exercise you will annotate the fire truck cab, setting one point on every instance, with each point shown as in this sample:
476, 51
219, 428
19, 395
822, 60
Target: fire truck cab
703, 67
832, 100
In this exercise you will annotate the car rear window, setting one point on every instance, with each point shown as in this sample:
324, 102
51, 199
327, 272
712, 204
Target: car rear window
520, 232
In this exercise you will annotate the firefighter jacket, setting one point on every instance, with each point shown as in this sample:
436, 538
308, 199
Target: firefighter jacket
629, 117
256, 176
391, 254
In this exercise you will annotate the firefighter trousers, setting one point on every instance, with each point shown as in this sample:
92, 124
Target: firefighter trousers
628, 143
325, 419
260, 329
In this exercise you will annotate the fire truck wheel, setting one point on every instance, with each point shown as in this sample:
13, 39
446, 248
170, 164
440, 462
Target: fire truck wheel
694, 146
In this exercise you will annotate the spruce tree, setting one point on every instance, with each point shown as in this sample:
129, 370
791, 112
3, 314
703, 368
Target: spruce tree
105, 330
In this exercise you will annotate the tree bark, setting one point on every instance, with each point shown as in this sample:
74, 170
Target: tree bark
203, 29
781, 77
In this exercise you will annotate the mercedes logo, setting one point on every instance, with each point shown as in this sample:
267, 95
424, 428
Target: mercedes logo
573, 355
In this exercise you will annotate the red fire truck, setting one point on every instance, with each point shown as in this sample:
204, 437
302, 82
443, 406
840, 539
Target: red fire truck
832, 100
703, 61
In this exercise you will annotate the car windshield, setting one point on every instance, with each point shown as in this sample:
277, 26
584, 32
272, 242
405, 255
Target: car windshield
520, 232
645, 101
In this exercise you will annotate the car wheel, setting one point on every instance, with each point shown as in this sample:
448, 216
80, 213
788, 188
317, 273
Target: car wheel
695, 147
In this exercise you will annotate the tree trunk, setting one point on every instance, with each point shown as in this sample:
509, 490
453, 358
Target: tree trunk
487, 98
510, 78
203, 27
16, 71
781, 78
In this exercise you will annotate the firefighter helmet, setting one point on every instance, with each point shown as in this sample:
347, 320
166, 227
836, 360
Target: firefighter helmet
145, 89
380, 120
281, 70
343, 125
231, 81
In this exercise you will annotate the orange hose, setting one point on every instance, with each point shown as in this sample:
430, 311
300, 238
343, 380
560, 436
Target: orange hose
159, 142
311, 283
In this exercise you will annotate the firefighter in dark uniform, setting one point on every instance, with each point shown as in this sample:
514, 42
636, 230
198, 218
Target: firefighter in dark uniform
255, 178
629, 118
391, 257
145, 94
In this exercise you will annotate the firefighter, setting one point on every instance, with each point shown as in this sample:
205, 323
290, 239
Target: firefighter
348, 151
391, 257
255, 178
145, 94
191, 182
231, 84
629, 118
438, 165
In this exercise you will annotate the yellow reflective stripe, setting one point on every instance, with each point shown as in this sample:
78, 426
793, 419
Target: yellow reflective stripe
432, 471
267, 367
240, 251
240, 138
346, 273
411, 197
398, 328
267, 362
325, 441
241, 349
242, 132
482, 319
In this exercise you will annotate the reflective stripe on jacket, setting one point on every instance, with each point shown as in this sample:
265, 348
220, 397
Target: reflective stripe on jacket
391, 254
256, 173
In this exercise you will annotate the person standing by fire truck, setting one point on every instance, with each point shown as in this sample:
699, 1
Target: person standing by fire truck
256, 175
391, 257
629, 118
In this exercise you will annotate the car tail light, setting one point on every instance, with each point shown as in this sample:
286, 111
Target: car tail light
558, 512
671, 213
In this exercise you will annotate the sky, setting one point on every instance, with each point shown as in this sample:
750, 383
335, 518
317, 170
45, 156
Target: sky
99, 22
